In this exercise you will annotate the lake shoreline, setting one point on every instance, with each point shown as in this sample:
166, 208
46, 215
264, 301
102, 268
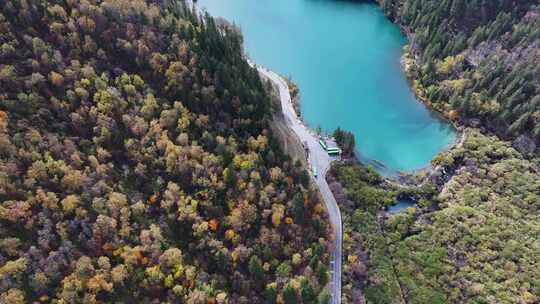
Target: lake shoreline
403, 178
380, 166
407, 61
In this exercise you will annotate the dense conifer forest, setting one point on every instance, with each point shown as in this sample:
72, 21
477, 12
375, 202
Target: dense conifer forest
136, 163
476, 61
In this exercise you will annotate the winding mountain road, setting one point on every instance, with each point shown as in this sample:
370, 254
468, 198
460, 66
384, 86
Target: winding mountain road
319, 159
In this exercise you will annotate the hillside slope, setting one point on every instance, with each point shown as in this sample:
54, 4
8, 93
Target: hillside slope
136, 162
473, 235
476, 61
473, 239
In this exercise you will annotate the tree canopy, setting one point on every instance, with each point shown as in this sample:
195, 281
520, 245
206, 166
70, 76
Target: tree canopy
476, 60
136, 163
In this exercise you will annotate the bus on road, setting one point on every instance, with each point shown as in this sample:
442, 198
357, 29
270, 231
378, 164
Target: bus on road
333, 151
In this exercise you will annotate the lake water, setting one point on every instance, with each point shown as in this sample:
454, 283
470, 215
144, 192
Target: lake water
345, 58
401, 206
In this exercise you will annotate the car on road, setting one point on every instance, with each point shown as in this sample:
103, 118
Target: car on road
314, 172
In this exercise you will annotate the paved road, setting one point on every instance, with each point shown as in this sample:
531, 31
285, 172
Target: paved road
319, 159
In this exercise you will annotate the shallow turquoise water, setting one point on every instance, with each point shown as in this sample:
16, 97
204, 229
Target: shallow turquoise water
345, 58
401, 206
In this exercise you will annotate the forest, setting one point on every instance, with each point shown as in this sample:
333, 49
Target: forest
472, 239
477, 62
474, 233
136, 163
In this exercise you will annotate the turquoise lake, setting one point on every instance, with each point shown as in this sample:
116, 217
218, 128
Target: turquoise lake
401, 206
344, 56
